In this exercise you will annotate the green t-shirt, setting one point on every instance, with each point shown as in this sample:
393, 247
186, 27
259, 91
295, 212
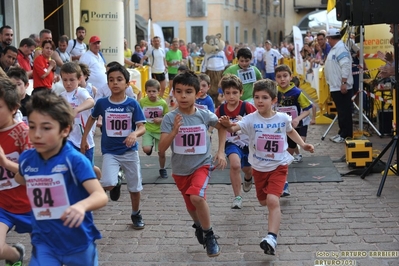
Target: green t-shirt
173, 56
248, 78
152, 110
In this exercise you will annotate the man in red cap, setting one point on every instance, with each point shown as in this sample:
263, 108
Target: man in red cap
96, 63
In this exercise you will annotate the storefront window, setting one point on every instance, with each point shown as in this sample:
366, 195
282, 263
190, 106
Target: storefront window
2, 13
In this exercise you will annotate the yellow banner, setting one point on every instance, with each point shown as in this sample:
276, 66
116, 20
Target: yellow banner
330, 5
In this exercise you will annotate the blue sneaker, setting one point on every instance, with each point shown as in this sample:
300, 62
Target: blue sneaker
286, 190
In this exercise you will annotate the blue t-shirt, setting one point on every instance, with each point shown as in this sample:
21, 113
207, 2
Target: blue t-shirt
206, 102
119, 120
52, 186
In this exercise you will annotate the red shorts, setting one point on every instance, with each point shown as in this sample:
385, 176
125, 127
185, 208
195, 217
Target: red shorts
194, 184
270, 182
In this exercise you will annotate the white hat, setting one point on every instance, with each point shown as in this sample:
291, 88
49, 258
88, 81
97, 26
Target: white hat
333, 32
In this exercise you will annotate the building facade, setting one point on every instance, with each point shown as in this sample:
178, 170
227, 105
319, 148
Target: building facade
239, 21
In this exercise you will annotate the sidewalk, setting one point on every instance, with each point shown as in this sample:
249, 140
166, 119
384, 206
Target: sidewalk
319, 221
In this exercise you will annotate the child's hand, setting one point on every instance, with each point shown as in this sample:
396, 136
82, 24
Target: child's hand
177, 123
220, 160
84, 146
73, 216
239, 117
157, 120
130, 140
308, 147
225, 121
295, 123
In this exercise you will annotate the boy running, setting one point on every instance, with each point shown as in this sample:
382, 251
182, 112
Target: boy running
268, 131
185, 131
237, 144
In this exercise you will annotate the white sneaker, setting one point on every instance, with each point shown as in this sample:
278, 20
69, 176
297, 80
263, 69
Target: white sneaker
297, 158
237, 203
269, 245
334, 137
339, 140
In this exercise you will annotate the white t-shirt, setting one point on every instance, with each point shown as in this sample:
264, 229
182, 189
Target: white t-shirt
79, 49
76, 98
271, 58
156, 59
97, 68
258, 54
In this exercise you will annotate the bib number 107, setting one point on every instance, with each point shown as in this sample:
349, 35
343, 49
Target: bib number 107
191, 139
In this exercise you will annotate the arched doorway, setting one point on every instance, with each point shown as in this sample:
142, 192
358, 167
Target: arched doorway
254, 39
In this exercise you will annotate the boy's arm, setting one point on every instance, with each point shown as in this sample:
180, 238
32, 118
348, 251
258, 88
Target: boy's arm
132, 137
89, 124
295, 122
230, 127
74, 215
87, 104
6, 163
167, 138
293, 134
220, 157
19, 179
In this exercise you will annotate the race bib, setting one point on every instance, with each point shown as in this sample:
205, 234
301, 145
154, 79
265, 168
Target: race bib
289, 110
118, 124
247, 75
269, 146
7, 180
201, 106
152, 112
190, 140
47, 195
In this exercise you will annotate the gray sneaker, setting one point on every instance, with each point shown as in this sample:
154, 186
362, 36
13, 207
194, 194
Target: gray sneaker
247, 185
334, 137
237, 203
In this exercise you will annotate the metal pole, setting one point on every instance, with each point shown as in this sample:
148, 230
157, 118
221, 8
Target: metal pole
361, 58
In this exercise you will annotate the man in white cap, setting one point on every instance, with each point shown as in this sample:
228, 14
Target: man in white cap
96, 63
338, 73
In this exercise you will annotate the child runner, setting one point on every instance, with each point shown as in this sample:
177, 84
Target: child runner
20, 77
237, 144
15, 209
61, 185
204, 101
123, 123
268, 131
248, 74
154, 109
184, 129
292, 101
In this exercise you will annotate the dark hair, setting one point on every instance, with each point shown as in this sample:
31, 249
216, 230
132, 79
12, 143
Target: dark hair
119, 68
266, 85
204, 77
5, 27
137, 45
18, 73
9, 93
85, 70
70, 68
50, 42
80, 28
113, 63
10, 47
183, 68
283, 68
49, 103
245, 53
231, 81
28, 42
43, 32
152, 83
321, 34
296, 81
188, 78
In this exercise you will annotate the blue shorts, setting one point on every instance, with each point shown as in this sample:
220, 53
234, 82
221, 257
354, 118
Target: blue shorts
21, 221
271, 76
260, 65
241, 152
43, 255
89, 153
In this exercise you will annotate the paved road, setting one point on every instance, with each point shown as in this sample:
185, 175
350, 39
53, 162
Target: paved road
319, 221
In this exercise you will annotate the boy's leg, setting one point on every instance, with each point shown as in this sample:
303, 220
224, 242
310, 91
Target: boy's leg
130, 163
148, 143
42, 255
161, 157
235, 178
110, 169
7, 252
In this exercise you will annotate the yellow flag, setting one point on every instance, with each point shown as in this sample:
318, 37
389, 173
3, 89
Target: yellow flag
330, 5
